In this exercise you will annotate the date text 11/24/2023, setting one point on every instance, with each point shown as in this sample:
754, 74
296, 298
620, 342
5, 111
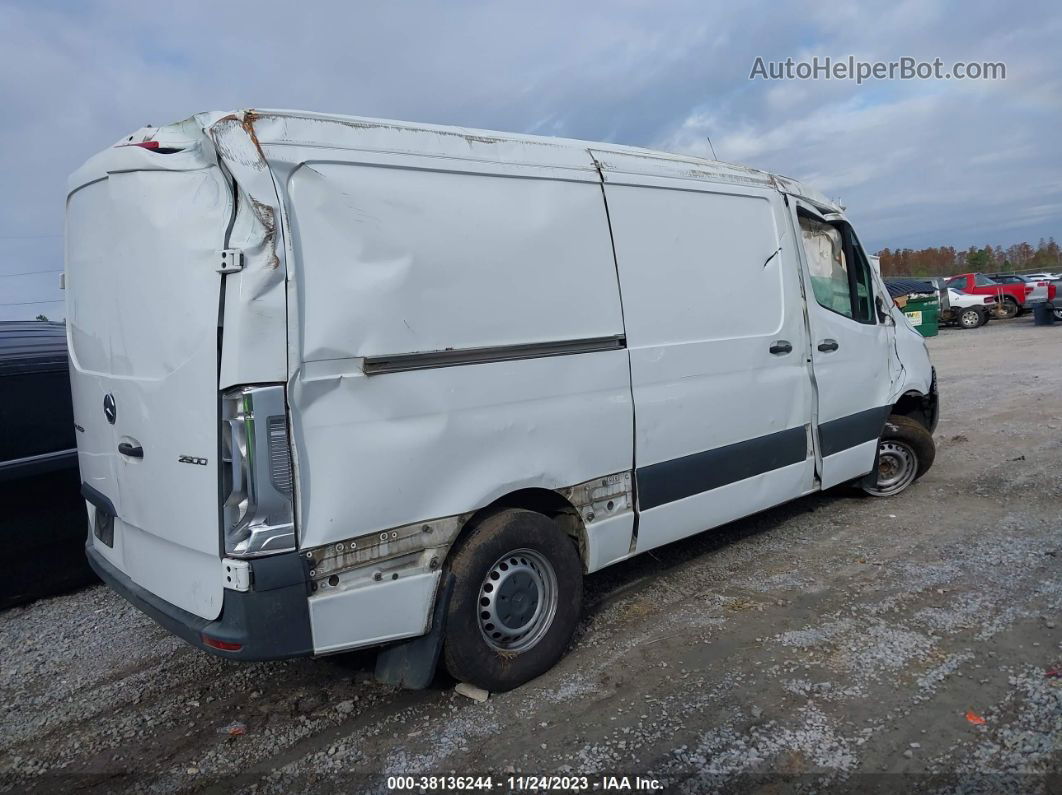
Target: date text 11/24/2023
514, 783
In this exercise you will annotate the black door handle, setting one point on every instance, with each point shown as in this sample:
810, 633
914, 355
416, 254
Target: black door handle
781, 347
133, 451
828, 345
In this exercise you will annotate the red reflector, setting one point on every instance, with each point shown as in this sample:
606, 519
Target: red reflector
144, 144
223, 645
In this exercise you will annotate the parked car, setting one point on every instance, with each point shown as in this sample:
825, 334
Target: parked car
964, 310
35, 410
1010, 298
1050, 277
42, 525
1042, 290
341, 382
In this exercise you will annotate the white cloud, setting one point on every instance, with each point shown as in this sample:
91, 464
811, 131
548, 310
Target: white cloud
917, 163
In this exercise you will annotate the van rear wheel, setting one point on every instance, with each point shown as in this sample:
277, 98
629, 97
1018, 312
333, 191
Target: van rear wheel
516, 601
905, 453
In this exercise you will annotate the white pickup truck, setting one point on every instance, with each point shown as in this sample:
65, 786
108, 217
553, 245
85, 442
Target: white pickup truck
965, 310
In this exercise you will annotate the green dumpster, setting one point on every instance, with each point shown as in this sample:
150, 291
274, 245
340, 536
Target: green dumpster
924, 313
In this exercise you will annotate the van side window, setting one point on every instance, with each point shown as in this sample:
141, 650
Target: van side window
840, 273
862, 294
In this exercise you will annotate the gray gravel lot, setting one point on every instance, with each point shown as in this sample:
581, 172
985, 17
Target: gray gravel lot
835, 643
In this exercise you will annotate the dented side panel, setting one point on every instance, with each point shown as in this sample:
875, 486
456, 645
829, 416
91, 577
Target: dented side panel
254, 343
396, 255
379, 452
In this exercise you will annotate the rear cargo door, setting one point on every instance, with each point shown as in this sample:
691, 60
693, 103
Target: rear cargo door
144, 231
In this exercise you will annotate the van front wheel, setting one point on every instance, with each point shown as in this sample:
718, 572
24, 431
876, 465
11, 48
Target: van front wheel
516, 601
905, 453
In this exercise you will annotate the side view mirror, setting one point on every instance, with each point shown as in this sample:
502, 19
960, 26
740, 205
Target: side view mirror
884, 315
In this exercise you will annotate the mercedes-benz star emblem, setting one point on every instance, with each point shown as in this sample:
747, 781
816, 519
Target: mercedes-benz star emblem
110, 410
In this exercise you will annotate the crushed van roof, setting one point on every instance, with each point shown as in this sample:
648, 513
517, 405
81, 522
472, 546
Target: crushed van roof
302, 128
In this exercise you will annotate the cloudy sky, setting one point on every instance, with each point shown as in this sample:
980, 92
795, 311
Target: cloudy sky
916, 162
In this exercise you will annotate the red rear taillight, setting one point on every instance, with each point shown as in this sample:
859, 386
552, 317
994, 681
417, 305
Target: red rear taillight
222, 645
1028, 289
153, 146
989, 299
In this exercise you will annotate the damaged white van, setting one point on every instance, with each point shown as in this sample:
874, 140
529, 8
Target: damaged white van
341, 382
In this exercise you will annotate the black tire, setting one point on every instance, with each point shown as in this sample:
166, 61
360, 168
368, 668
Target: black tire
1007, 308
467, 653
1058, 312
901, 438
972, 317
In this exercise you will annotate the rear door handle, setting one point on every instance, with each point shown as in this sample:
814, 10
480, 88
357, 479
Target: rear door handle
781, 347
131, 450
828, 345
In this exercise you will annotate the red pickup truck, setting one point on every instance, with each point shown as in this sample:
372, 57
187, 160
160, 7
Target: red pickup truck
1010, 298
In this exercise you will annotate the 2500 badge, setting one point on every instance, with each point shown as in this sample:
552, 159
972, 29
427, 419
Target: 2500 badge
191, 459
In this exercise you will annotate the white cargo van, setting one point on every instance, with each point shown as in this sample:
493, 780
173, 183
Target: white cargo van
341, 382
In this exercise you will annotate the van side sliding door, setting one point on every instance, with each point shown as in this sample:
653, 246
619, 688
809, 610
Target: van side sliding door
849, 346
718, 351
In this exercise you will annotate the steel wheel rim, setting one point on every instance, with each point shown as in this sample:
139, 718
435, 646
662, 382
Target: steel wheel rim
970, 319
897, 467
517, 601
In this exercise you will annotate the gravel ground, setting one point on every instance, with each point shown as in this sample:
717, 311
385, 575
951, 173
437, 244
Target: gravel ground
835, 643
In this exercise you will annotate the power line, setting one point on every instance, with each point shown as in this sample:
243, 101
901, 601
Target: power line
28, 303
28, 273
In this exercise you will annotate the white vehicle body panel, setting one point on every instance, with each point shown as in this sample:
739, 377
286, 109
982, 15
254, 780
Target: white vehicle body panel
957, 299
379, 277
852, 370
142, 329
458, 317
372, 614
1039, 291
719, 418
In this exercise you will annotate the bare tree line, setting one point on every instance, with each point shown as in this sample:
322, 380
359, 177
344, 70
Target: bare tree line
946, 260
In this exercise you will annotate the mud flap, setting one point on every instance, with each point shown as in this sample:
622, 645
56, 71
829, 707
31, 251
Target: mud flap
870, 480
411, 664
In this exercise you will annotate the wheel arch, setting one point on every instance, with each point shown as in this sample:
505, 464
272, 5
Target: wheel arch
919, 406
547, 502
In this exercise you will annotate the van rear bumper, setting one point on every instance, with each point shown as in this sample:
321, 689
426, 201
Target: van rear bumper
271, 622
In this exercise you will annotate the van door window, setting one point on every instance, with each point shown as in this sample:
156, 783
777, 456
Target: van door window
840, 273
862, 300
